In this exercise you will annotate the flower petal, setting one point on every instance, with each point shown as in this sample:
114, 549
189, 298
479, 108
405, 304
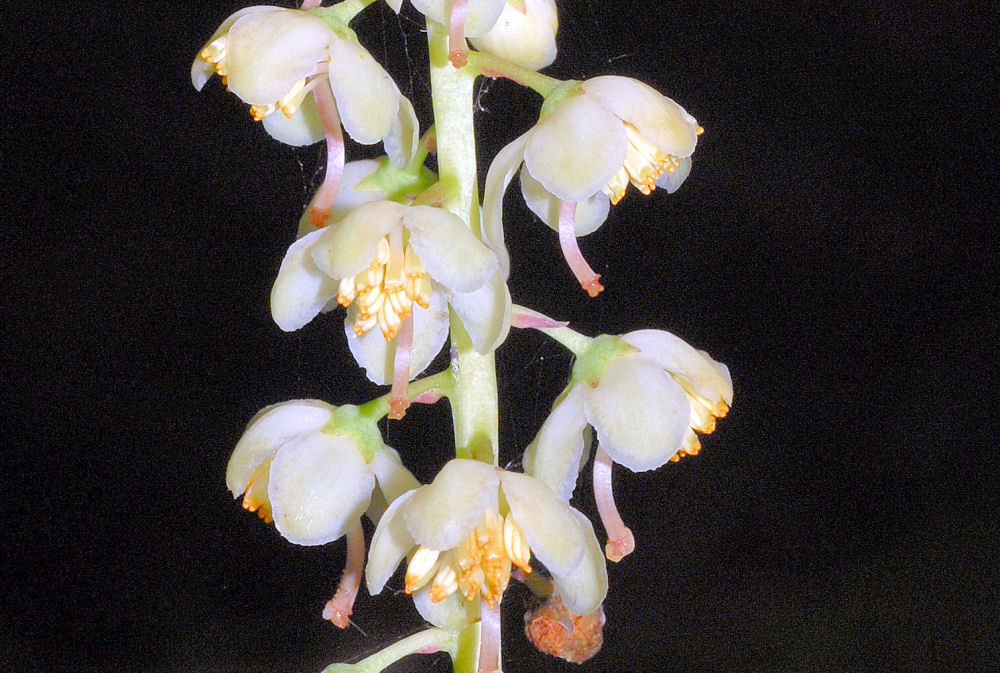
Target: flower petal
390, 544
202, 70
548, 524
269, 52
672, 180
485, 313
345, 250
441, 514
584, 588
454, 612
527, 38
555, 455
576, 148
267, 432
479, 17
349, 196
367, 98
393, 478
590, 213
692, 368
448, 249
319, 485
430, 331
404, 134
301, 289
504, 165
305, 127
639, 412
659, 119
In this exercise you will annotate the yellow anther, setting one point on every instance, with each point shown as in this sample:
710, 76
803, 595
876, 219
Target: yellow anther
420, 569
698, 131
445, 584
515, 545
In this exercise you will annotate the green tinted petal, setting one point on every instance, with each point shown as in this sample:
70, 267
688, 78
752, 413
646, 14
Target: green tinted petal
584, 588
555, 455
450, 252
301, 289
367, 98
504, 165
454, 612
390, 543
484, 312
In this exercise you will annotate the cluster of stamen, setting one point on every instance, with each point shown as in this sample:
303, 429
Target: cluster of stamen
644, 164
703, 415
255, 494
480, 564
387, 289
216, 53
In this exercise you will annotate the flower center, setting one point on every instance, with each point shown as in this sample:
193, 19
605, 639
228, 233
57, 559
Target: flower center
480, 564
387, 289
644, 163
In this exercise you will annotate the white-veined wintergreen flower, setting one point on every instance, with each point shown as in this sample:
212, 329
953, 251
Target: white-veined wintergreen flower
599, 136
467, 529
396, 268
646, 394
314, 469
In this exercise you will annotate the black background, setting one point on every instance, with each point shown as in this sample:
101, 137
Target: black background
832, 246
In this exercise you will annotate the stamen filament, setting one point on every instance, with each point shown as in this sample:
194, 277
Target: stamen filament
621, 542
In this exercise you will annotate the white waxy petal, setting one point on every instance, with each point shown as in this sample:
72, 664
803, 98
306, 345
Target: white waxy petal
349, 197
202, 70
430, 331
548, 525
305, 127
451, 613
590, 213
443, 513
272, 427
479, 17
504, 165
584, 588
348, 248
301, 289
450, 252
393, 478
576, 148
485, 313
390, 543
403, 138
706, 377
672, 180
269, 52
639, 412
555, 455
367, 98
319, 484
526, 38
657, 118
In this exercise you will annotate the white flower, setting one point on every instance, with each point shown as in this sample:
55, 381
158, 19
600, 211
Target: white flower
586, 148
312, 483
469, 527
272, 58
389, 263
525, 33
646, 395
464, 18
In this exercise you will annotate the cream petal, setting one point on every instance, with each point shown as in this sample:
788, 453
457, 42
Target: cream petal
584, 588
672, 180
367, 98
504, 165
319, 484
346, 249
657, 118
267, 432
202, 70
549, 527
301, 289
526, 38
395, 4
303, 128
479, 18
639, 412
484, 312
452, 613
590, 214
430, 331
441, 514
706, 377
393, 478
390, 544
555, 455
403, 138
448, 249
270, 52
349, 197
576, 148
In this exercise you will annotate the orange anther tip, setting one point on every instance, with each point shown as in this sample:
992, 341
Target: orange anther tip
593, 286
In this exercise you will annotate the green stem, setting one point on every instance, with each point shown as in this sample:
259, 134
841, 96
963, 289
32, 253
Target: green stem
494, 66
443, 383
474, 405
342, 12
424, 642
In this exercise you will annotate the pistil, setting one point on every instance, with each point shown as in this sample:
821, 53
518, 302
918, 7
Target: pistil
621, 542
589, 280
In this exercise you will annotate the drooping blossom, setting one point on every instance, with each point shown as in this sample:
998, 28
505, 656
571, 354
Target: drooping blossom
592, 140
646, 395
314, 469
